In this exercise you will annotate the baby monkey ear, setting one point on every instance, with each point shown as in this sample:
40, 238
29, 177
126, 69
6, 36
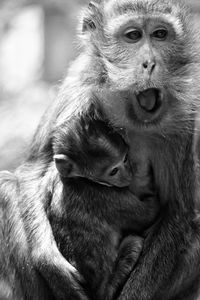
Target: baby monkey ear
63, 165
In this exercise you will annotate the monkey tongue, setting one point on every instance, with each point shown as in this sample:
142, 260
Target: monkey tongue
148, 99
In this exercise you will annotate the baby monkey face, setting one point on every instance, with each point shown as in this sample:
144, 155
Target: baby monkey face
115, 172
93, 150
102, 158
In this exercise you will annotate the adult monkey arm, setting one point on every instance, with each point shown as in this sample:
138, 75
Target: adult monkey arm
34, 198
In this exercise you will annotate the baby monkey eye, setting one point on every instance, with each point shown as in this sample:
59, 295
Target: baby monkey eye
160, 34
114, 172
132, 35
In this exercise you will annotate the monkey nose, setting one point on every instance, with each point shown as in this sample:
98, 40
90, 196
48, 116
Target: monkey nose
149, 66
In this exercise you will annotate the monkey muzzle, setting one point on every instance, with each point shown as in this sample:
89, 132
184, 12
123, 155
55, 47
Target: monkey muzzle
148, 104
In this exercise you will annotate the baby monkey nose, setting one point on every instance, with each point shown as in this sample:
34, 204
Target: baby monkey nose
149, 66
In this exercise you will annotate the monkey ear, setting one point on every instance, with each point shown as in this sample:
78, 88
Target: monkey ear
88, 22
63, 165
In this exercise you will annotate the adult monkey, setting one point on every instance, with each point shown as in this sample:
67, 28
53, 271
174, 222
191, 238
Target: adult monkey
149, 52
142, 59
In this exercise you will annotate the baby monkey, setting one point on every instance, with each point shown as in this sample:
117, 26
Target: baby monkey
94, 207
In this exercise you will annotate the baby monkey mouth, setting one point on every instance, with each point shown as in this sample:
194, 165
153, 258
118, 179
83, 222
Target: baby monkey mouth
149, 100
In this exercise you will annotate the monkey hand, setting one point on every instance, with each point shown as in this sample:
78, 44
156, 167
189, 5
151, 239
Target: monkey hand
128, 255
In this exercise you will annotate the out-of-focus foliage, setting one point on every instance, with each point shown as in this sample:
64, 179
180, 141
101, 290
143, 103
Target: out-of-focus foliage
36, 46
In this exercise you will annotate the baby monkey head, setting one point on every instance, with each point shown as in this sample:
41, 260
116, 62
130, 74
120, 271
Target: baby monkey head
92, 150
149, 50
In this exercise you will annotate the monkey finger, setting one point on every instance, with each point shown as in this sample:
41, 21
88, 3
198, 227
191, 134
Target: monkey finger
131, 244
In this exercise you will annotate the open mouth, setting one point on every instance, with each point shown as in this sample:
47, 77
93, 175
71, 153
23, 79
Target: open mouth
150, 100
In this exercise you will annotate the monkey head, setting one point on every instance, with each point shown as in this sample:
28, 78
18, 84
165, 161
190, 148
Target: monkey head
94, 151
150, 56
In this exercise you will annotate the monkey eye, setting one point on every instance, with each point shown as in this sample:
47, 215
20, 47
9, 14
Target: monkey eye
132, 35
114, 172
160, 34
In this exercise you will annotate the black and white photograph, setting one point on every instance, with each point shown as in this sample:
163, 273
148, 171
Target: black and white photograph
100, 150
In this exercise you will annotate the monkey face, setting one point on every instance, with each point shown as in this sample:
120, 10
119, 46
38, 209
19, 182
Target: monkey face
90, 148
137, 53
145, 47
114, 172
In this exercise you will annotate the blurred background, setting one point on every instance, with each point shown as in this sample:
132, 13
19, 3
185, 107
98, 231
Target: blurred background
37, 42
